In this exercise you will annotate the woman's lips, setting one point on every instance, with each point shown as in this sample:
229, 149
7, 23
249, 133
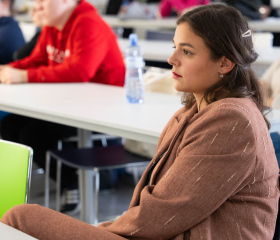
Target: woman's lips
175, 75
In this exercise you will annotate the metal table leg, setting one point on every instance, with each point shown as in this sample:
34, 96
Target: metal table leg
86, 181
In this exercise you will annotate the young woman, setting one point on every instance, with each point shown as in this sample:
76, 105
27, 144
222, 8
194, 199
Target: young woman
214, 175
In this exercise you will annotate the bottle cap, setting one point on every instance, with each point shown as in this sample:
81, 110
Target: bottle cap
133, 38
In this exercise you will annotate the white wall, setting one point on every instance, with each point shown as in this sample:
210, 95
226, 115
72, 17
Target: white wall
99, 4
19, 4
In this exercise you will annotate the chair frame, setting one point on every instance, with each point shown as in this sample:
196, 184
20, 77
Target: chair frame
86, 175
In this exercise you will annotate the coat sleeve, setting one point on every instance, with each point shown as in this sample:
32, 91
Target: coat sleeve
216, 158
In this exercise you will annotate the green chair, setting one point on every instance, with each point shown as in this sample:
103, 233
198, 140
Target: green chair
15, 174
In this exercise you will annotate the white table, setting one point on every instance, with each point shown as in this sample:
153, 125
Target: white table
96, 107
152, 50
162, 50
268, 25
165, 23
90, 106
9, 233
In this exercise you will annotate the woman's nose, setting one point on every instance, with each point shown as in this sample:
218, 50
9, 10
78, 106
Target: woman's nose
172, 60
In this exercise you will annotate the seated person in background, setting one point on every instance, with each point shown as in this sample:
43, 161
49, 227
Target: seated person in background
271, 82
11, 37
73, 48
178, 7
75, 45
26, 50
256, 10
214, 174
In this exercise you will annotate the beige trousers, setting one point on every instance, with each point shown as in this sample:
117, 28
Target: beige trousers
46, 224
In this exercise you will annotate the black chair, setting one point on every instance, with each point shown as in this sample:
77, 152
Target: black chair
277, 226
160, 35
113, 7
89, 161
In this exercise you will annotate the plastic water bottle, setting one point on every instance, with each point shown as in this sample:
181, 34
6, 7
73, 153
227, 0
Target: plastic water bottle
134, 82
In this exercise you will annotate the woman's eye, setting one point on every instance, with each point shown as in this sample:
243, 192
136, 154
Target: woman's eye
187, 52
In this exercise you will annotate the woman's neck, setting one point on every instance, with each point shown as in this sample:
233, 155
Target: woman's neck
201, 104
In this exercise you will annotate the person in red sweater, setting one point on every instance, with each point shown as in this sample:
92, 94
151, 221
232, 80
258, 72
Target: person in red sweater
75, 45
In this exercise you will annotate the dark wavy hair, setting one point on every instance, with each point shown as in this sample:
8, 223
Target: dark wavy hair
221, 27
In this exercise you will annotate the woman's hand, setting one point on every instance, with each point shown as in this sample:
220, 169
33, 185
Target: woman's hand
264, 11
9, 75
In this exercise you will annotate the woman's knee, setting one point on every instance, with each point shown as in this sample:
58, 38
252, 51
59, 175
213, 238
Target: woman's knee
18, 213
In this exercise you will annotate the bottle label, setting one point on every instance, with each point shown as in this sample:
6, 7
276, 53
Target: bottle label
134, 62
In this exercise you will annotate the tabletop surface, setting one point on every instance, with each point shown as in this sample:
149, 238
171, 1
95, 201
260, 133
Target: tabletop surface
92, 106
96, 107
270, 24
9, 233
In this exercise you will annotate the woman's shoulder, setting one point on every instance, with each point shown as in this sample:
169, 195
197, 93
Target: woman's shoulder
243, 106
236, 109
233, 102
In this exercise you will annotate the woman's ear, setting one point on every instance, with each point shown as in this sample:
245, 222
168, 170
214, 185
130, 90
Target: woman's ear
226, 65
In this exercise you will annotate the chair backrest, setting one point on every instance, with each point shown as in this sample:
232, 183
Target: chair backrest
113, 7
277, 226
160, 35
15, 174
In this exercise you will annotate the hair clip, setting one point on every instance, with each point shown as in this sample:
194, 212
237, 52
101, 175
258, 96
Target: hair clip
247, 34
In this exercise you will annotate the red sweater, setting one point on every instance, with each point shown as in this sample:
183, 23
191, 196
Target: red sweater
85, 50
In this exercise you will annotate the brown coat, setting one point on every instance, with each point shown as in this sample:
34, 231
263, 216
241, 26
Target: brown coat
217, 179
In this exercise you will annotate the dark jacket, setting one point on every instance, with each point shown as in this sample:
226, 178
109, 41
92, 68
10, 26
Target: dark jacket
11, 39
248, 8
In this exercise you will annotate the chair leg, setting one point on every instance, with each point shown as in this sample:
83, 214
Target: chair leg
59, 145
104, 142
84, 138
97, 186
47, 180
135, 175
81, 193
86, 195
58, 184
